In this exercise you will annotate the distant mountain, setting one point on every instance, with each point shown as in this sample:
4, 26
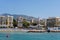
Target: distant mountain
17, 15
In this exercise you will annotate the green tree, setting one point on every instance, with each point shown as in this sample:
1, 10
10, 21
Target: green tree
42, 23
25, 24
15, 23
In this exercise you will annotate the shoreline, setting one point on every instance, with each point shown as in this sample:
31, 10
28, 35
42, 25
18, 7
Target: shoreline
20, 30
25, 30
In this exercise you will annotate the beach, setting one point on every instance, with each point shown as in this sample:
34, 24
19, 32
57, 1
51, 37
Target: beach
24, 30
12, 30
20, 30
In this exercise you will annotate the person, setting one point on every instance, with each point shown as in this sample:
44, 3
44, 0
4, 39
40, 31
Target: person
7, 36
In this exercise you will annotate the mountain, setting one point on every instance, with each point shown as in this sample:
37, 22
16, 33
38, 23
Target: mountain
17, 15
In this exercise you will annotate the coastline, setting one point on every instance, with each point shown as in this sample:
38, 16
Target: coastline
12, 30
25, 30
20, 30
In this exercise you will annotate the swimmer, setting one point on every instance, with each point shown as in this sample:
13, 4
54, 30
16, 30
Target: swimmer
7, 36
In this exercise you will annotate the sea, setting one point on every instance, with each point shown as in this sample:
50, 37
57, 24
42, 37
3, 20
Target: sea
29, 36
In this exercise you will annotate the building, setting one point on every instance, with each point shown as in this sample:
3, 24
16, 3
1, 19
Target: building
6, 21
40, 23
32, 20
53, 22
35, 20
43, 23
29, 21
20, 20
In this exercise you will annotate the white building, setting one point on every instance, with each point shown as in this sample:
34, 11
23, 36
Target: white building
20, 20
6, 21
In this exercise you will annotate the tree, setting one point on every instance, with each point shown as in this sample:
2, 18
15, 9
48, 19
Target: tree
25, 24
15, 23
42, 23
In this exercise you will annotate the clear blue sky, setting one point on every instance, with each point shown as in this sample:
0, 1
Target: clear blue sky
36, 8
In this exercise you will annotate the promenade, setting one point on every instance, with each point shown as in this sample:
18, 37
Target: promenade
12, 30
24, 30
20, 30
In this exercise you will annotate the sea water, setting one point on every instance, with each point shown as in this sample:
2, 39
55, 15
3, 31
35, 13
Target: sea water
29, 36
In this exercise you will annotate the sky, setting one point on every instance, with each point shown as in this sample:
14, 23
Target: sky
35, 8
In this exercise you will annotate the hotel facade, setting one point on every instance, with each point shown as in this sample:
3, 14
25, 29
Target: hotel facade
6, 21
53, 22
20, 20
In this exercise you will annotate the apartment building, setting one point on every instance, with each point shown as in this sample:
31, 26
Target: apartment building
6, 21
53, 22
20, 20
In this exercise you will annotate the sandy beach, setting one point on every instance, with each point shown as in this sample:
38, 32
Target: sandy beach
19, 30
11, 30
24, 30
